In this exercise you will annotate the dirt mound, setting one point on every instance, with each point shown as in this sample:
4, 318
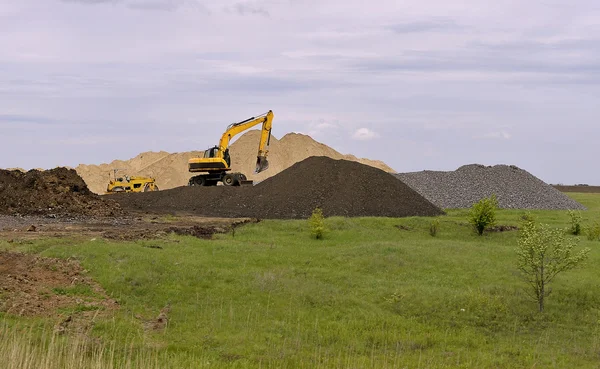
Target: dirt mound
515, 188
339, 187
170, 170
58, 192
37, 286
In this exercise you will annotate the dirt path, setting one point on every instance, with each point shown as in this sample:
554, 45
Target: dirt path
13, 228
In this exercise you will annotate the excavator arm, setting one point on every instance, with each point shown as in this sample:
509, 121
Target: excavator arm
216, 160
265, 137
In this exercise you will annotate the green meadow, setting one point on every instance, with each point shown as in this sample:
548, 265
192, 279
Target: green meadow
374, 293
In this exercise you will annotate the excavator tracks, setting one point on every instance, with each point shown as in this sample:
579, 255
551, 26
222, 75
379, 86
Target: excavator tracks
228, 179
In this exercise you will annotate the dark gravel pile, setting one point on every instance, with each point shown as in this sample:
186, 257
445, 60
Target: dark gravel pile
56, 192
515, 188
339, 187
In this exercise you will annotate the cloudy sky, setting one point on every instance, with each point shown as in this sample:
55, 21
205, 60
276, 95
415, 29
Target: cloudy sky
428, 84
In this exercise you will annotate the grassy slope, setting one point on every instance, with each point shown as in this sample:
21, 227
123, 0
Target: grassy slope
369, 295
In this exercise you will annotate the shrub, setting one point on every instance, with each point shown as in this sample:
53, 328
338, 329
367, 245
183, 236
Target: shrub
543, 253
528, 216
575, 222
593, 232
317, 223
483, 214
433, 227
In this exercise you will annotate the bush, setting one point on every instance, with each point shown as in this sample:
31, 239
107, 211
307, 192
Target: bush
433, 227
593, 232
528, 216
317, 224
483, 214
543, 253
575, 222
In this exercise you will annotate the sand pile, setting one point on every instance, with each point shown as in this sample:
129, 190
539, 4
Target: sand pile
515, 188
170, 170
57, 192
289, 150
339, 187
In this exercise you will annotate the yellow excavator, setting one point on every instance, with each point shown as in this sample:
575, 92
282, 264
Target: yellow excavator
216, 163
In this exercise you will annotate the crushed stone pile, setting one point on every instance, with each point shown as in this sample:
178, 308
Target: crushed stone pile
58, 192
339, 187
515, 188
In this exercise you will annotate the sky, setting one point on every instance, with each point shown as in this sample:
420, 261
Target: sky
428, 84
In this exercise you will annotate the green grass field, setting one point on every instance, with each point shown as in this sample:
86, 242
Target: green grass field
370, 295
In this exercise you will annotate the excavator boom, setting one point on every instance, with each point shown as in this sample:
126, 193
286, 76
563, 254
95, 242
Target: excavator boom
265, 137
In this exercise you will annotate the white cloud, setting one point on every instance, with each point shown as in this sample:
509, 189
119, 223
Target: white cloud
364, 134
323, 128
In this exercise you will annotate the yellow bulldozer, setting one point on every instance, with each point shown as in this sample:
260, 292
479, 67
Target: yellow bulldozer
215, 166
125, 183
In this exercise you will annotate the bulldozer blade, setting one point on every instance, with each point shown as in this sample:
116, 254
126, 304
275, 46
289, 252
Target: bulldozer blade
247, 182
262, 164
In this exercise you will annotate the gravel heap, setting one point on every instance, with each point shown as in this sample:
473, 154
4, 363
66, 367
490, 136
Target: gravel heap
339, 187
57, 192
515, 188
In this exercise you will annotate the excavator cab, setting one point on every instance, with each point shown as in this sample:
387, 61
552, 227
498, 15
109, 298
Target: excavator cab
212, 152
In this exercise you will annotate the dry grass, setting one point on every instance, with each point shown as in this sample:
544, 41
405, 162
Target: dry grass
28, 348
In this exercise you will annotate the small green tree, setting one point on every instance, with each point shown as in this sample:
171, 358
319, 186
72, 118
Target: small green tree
543, 253
434, 227
575, 222
317, 223
483, 214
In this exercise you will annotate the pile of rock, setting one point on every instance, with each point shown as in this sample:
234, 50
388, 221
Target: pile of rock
338, 187
515, 188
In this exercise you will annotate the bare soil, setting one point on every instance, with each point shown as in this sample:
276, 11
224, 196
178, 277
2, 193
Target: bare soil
126, 228
31, 285
57, 192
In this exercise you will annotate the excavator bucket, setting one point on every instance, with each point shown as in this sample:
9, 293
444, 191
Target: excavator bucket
262, 164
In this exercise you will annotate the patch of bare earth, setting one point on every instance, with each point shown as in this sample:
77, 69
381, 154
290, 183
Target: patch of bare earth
32, 285
22, 228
